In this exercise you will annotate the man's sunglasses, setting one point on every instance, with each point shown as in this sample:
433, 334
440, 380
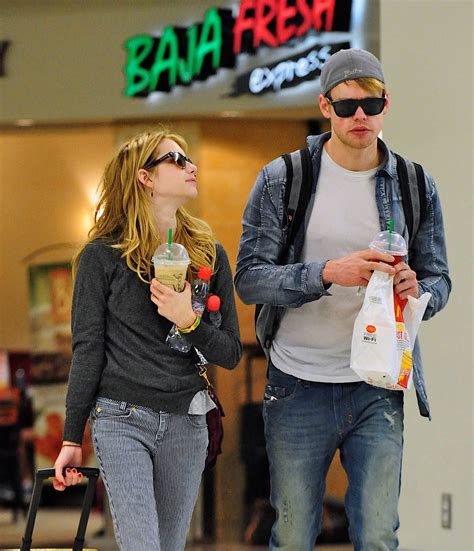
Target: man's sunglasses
347, 107
177, 157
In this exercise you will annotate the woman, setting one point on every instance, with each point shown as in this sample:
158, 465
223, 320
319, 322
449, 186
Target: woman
145, 402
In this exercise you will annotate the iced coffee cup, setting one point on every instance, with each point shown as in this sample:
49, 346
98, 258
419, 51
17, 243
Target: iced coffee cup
171, 263
390, 243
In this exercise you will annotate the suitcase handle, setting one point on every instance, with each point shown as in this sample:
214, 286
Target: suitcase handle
89, 472
40, 476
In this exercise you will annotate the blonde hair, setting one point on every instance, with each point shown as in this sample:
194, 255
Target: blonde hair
372, 85
124, 218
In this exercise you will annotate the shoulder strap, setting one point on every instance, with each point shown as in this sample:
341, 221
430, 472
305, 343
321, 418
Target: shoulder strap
420, 178
299, 179
411, 178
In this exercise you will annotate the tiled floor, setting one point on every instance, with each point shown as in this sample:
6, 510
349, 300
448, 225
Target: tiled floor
55, 528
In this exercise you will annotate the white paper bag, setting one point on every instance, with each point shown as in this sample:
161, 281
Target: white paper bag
384, 335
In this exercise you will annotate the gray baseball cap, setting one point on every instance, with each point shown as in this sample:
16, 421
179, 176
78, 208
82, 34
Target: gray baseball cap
349, 65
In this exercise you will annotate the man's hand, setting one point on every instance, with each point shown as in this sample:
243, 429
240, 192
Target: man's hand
405, 282
355, 269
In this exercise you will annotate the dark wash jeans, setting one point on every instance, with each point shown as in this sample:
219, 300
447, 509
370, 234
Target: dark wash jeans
305, 423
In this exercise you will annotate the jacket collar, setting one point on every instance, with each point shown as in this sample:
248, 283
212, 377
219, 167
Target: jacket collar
315, 145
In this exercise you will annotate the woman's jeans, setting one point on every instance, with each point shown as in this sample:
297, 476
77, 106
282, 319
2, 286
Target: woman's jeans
305, 423
151, 464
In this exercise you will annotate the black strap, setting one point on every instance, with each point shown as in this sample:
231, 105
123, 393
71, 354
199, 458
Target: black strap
411, 178
420, 179
304, 193
289, 182
402, 174
299, 180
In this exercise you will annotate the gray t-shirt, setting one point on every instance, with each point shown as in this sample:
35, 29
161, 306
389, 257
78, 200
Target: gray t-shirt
313, 342
118, 340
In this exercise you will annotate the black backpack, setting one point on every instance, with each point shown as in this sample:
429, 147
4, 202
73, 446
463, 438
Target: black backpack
299, 182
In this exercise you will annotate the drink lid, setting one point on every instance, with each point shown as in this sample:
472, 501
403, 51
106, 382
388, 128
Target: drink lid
213, 303
389, 242
205, 273
174, 253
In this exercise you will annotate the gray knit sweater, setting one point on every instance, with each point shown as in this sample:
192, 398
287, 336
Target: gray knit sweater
118, 340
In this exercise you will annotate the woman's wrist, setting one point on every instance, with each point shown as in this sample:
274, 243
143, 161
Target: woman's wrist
192, 327
67, 443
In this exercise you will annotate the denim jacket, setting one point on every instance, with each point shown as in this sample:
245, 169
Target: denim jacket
260, 279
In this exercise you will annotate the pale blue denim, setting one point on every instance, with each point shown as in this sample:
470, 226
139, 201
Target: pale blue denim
151, 464
261, 278
305, 423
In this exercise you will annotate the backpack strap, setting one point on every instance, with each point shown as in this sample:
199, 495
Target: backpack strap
299, 182
420, 178
411, 178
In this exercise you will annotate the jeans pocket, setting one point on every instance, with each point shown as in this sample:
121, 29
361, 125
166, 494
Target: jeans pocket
197, 421
111, 409
274, 393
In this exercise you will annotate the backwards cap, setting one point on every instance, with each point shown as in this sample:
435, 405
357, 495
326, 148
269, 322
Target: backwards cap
349, 65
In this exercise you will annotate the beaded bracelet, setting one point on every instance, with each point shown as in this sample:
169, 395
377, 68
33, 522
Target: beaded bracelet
192, 327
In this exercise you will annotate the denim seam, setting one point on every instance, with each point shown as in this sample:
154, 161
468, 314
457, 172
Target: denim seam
106, 484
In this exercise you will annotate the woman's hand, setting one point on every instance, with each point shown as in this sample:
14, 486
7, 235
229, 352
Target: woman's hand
69, 455
404, 281
176, 307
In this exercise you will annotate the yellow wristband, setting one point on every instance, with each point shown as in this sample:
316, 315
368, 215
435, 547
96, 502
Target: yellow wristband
192, 327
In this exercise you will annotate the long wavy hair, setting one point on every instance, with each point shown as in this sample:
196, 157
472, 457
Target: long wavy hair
124, 217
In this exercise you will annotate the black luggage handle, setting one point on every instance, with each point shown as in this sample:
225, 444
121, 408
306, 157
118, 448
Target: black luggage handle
40, 476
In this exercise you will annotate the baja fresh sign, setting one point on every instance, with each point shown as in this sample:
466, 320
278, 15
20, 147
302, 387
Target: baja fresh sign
183, 55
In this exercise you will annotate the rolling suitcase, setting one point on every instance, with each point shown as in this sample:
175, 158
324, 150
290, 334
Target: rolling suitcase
40, 476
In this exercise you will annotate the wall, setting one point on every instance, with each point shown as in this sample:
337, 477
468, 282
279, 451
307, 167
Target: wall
47, 180
429, 70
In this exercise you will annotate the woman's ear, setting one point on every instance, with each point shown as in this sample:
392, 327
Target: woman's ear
144, 178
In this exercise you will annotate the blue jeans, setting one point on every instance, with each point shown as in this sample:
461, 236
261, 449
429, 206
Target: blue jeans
305, 423
151, 464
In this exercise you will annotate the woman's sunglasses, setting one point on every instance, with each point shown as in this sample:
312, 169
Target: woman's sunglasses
347, 107
177, 157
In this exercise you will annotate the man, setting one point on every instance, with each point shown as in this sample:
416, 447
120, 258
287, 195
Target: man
314, 403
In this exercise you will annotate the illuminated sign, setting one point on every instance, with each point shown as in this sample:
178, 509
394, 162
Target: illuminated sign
285, 74
182, 55
3, 53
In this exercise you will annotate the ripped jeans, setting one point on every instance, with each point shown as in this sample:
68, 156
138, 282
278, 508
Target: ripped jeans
305, 423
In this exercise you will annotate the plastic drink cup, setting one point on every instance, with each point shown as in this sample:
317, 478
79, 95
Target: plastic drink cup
171, 263
391, 243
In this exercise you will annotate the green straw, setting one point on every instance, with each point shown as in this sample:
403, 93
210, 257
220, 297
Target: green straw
390, 230
170, 238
